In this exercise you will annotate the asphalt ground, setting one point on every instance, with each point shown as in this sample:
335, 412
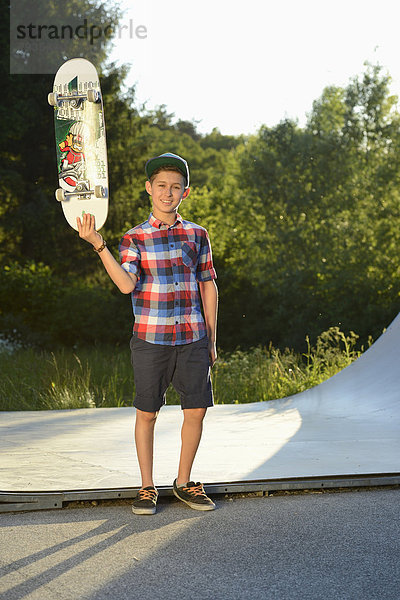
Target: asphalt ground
343, 545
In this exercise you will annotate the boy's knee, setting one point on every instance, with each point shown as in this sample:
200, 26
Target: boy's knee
146, 417
194, 414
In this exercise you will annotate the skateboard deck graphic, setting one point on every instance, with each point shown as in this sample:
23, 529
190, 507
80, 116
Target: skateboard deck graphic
80, 142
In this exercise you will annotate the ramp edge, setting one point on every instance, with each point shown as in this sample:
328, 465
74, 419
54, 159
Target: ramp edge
32, 501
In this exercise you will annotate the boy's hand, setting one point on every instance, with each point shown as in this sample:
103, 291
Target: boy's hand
212, 352
87, 231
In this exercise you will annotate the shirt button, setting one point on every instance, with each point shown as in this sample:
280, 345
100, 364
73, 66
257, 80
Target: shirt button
176, 283
171, 245
176, 322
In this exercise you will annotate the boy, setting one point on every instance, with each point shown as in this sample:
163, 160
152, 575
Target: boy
166, 264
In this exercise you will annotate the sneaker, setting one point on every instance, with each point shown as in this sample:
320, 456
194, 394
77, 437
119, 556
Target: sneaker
145, 501
193, 495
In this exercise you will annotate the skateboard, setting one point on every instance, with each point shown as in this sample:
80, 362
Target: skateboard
80, 142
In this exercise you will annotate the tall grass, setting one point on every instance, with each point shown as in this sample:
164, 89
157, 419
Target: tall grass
98, 377
102, 377
268, 373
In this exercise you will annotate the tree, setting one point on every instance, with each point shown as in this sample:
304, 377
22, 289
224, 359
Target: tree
319, 240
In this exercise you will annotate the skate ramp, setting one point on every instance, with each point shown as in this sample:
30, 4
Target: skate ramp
347, 426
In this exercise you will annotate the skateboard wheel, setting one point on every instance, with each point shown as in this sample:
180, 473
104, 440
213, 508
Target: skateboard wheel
60, 195
99, 191
93, 95
52, 99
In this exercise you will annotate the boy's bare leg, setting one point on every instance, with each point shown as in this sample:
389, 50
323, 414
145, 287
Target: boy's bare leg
190, 434
144, 439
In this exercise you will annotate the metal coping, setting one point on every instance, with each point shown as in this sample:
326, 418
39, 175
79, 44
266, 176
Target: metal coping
32, 501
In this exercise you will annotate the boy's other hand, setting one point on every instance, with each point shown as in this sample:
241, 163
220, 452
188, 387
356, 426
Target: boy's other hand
87, 230
212, 351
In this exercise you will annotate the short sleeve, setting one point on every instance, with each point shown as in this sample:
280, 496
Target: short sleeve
129, 255
205, 268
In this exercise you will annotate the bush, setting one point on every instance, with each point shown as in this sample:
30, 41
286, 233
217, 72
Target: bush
39, 308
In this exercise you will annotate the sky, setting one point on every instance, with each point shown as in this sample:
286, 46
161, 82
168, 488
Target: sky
237, 65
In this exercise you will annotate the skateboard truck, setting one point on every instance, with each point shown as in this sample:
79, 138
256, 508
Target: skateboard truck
98, 192
55, 99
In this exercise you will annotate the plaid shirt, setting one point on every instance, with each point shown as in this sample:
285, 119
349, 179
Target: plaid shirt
168, 261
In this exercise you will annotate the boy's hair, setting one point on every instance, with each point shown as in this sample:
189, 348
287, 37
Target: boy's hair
166, 168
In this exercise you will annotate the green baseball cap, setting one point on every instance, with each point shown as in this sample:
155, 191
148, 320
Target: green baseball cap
167, 159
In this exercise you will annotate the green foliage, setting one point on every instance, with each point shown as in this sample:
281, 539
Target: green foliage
103, 376
303, 220
89, 378
40, 308
317, 209
32, 226
269, 373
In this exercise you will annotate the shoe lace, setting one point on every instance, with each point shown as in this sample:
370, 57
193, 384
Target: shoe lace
196, 489
144, 494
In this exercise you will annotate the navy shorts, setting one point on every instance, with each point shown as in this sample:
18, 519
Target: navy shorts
186, 366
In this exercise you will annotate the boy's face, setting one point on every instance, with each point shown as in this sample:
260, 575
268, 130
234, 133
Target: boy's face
167, 191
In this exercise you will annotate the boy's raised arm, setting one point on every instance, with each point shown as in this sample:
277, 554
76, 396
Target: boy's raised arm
124, 281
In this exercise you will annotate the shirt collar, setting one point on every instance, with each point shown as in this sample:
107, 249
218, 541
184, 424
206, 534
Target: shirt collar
158, 224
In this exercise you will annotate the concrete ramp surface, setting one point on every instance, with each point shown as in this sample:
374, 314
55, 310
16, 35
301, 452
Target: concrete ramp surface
349, 425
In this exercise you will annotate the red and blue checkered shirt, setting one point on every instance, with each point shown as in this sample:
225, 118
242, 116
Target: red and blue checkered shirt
169, 261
